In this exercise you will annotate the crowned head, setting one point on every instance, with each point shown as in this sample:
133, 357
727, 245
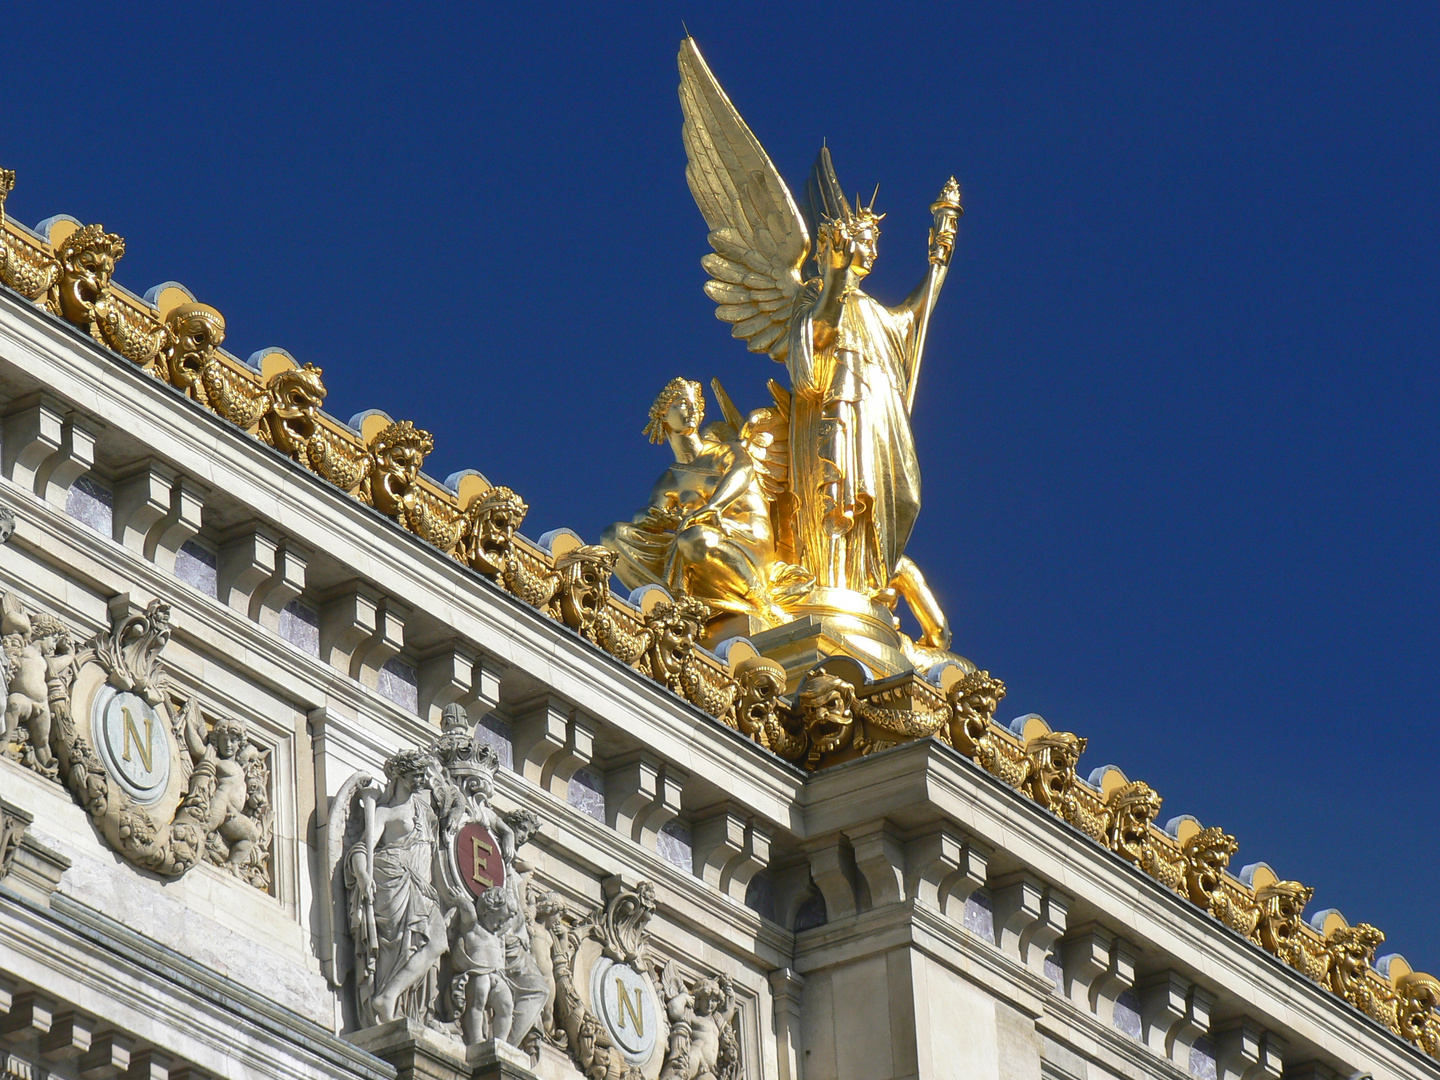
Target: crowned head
679, 408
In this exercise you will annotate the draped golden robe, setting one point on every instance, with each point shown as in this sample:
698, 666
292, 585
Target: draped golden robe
854, 472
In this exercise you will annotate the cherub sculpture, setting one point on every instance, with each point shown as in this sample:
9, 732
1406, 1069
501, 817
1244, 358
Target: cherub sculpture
702, 1043
239, 807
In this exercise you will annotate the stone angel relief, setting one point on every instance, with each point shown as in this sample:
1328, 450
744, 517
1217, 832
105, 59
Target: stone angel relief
806, 506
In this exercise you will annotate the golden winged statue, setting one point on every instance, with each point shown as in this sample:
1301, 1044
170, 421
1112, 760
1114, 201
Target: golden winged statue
821, 489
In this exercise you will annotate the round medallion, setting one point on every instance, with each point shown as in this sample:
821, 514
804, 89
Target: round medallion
133, 739
626, 1005
477, 854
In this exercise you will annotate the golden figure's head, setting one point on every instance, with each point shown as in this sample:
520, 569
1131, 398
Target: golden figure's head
396, 454
851, 243
1132, 807
1207, 854
296, 395
1350, 950
827, 709
679, 408
193, 333
675, 626
87, 263
1053, 758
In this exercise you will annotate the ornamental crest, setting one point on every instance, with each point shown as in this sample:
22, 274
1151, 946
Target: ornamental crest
163, 789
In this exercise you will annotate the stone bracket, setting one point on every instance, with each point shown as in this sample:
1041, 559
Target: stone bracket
457, 675
943, 867
880, 859
1099, 967
245, 562
46, 447
553, 741
1029, 918
1175, 1012
285, 583
30, 1015
156, 511
108, 1056
832, 866
729, 851
642, 795
70, 1035
1245, 1051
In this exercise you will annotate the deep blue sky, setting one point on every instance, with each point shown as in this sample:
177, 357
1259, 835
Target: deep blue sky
1178, 418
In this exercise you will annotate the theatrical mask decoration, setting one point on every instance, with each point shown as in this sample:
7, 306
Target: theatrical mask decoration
164, 788
805, 505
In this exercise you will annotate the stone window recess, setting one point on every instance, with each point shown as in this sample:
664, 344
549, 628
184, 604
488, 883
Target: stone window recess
92, 503
1202, 1059
674, 845
300, 625
397, 681
195, 564
1053, 971
586, 792
760, 895
499, 736
980, 915
1127, 1014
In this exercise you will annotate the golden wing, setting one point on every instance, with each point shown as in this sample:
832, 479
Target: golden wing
759, 237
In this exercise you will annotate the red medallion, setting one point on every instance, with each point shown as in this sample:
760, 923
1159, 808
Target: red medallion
478, 855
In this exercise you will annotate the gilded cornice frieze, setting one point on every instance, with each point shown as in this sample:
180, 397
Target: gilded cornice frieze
836, 713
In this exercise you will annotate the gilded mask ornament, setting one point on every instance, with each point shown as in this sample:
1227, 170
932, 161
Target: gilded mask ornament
1207, 855
584, 587
973, 701
87, 260
1349, 953
1051, 776
1133, 806
1277, 930
1417, 999
760, 706
827, 710
396, 454
674, 626
294, 397
193, 333
494, 518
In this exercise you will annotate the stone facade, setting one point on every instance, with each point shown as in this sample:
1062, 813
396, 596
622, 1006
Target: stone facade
907, 913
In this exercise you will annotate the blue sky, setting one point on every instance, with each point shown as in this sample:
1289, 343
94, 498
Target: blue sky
1178, 418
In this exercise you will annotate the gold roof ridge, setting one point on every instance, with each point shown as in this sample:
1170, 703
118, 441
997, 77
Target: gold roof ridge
177, 340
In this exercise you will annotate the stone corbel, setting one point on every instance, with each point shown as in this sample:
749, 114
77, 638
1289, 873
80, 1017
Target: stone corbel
1175, 1012
245, 562
880, 858
832, 866
149, 1064
108, 1056
1029, 918
70, 1036
1099, 967
785, 988
46, 447
30, 1015
156, 511
386, 642
729, 851
943, 867
1245, 1051
552, 743
642, 794
285, 583
457, 675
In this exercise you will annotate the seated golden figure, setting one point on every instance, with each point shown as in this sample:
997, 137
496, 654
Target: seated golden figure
706, 532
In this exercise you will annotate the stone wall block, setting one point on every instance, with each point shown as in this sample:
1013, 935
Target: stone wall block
943, 867
729, 851
108, 1056
880, 858
1246, 1051
30, 1015
69, 1036
285, 583
34, 430
832, 866
246, 561
74, 458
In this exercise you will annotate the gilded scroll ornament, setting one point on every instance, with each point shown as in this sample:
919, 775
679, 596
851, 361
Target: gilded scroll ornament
28, 270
